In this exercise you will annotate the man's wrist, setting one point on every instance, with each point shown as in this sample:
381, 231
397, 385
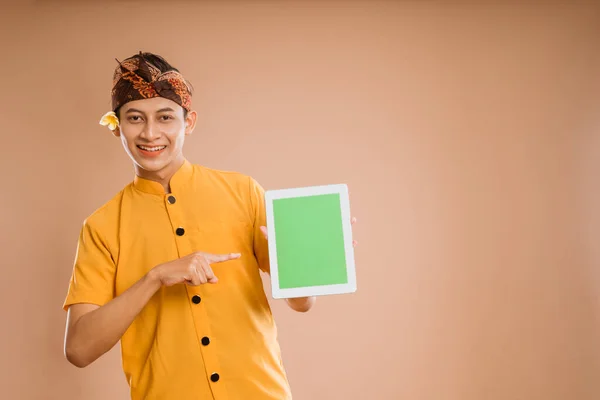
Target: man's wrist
153, 279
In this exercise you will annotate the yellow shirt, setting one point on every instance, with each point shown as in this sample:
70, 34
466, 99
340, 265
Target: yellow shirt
213, 341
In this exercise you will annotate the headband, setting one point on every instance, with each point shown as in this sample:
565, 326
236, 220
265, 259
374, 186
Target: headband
137, 79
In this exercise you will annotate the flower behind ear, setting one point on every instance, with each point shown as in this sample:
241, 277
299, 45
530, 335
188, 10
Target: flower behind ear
111, 120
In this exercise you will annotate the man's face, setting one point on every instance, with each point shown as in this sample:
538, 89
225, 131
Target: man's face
153, 132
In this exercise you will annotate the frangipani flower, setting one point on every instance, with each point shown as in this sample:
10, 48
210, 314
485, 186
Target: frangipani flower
111, 120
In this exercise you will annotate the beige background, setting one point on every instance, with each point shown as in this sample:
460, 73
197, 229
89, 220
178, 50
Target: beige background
468, 135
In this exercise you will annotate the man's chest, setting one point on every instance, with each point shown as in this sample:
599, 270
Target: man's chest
158, 232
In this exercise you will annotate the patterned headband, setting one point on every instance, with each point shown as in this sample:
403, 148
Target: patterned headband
136, 79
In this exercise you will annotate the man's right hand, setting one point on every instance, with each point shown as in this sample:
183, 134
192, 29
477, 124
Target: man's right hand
193, 269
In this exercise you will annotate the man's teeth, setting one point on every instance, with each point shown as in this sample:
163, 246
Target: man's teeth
157, 148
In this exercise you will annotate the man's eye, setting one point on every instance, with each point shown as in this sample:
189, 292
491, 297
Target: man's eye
166, 117
134, 118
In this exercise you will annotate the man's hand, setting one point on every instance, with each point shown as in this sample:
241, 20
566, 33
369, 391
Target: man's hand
303, 304
193, 269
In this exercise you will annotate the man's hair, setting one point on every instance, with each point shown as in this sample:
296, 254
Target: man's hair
161, 64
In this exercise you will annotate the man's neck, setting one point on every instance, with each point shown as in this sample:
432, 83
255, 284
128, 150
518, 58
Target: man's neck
162, 176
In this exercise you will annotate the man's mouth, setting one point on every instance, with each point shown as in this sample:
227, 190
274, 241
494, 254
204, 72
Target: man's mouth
151, 149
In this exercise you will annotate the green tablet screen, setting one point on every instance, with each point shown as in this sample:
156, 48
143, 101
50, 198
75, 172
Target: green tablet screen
310, 241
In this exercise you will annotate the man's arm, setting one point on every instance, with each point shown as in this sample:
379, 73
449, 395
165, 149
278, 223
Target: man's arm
93, 330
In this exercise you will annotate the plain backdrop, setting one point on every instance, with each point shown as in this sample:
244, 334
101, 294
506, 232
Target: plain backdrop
467, 132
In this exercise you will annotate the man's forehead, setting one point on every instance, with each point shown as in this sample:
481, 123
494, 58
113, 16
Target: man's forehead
152, 105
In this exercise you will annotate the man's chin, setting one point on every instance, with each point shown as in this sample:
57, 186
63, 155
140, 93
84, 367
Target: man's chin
151, 165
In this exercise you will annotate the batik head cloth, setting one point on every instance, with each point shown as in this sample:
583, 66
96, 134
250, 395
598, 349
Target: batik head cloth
137, 79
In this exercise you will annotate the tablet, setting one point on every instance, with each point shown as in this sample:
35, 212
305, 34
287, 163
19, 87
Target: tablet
310, 241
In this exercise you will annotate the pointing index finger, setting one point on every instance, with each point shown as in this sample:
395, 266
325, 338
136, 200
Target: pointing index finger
215, 258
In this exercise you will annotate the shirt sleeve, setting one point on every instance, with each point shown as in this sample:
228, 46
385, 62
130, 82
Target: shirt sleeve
93, 277
261, 248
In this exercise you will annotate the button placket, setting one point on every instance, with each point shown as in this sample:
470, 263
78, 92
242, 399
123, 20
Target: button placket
201, 323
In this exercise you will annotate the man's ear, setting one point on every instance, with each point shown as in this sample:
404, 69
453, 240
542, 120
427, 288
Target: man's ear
190, 122
116, 132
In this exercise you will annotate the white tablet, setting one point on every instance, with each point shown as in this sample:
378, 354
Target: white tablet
310, 241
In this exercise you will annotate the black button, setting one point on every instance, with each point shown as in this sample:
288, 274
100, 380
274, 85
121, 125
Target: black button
196, 299
214, 377
171, 199
180, 231
205, 341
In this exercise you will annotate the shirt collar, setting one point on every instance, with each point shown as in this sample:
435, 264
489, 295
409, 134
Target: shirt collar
178, 180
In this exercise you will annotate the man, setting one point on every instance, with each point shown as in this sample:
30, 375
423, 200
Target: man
170, 265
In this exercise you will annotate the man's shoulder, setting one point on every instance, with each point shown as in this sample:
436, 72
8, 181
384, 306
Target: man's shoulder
225, 177
231, 175
245, 186
107, 214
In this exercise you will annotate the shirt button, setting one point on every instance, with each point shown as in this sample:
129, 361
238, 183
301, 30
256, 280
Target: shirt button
196, 299
214, 377
180, 231
171, 199
205, 341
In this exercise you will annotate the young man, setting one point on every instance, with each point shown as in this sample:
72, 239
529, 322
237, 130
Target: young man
170, 266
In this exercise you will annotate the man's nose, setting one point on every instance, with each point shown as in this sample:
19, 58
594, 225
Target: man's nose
151, 131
